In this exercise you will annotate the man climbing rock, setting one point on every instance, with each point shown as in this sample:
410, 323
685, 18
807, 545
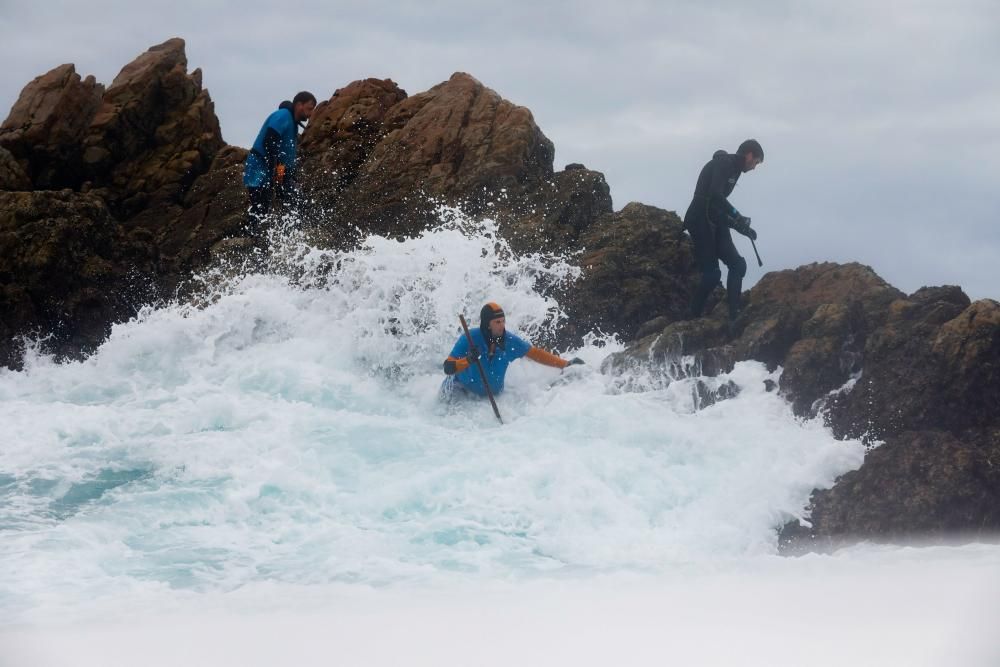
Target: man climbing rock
270, 166
709, 219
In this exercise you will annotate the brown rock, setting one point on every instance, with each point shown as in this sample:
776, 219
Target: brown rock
637, 265
458, 143
824, 300
154, 134
462, 141
681, 349
46, 125
928, 485
934, 364
60, 272
342, 134
12, 176
554, 214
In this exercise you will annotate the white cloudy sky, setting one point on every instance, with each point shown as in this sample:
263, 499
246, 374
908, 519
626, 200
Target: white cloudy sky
880, 120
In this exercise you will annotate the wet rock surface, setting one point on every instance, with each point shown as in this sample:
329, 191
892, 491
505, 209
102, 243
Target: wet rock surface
920, 373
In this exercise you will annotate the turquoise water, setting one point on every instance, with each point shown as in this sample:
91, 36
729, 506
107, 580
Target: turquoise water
286, 430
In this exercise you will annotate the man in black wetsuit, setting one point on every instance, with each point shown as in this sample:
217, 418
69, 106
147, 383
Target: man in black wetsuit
709, 218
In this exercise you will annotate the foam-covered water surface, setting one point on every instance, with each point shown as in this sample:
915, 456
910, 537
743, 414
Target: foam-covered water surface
286, 431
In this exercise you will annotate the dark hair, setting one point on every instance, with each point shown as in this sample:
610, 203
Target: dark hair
304, 98
751, 146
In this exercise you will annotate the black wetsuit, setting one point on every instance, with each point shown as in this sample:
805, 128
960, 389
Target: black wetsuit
708, 220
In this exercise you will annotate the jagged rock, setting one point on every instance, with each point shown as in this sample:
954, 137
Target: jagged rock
462, 141
343, 133
60, 273
930, 386
155, 132
927, 484
929, 368
637, 264
47, 123
828, 302
812, 320
140, 143
458, 143
135, 149
935, 364
213, 209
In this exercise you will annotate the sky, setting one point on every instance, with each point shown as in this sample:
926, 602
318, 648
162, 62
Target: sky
880, 122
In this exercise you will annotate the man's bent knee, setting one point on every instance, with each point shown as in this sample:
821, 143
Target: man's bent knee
738, 267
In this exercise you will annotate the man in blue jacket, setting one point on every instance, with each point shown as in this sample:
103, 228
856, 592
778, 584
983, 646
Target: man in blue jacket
709, 219
270, 166
495, 348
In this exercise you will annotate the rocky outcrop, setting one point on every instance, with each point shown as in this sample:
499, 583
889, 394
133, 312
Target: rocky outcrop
142, 142
928, 485
921, 372
154, 133
393, 158
45, 128
553, 214
461, 142
637, 264
814, 321
929, 388
133, 178
935, 364
343, 133
62, 276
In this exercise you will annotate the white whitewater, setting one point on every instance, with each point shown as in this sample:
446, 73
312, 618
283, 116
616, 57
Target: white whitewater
277, 451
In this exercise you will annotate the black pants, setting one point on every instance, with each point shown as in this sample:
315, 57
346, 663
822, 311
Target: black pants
260, 206
711, 244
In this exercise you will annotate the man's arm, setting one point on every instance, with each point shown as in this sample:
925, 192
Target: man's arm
718, 204
549, 359
453, 365
461, 357
272, 148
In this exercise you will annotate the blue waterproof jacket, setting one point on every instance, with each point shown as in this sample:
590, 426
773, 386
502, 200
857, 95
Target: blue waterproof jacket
514, 347
276, 143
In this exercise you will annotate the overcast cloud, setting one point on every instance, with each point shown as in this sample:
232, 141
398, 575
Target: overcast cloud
880, 121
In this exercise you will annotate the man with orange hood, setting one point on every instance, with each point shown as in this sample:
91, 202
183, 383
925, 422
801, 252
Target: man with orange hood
495, 348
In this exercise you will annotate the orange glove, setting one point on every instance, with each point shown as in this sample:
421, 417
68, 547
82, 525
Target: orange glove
279, 174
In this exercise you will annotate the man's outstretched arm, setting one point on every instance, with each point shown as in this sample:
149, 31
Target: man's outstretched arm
549, 359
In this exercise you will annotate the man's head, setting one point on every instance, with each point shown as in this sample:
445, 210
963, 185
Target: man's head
302, 106
752, 154
492, 321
